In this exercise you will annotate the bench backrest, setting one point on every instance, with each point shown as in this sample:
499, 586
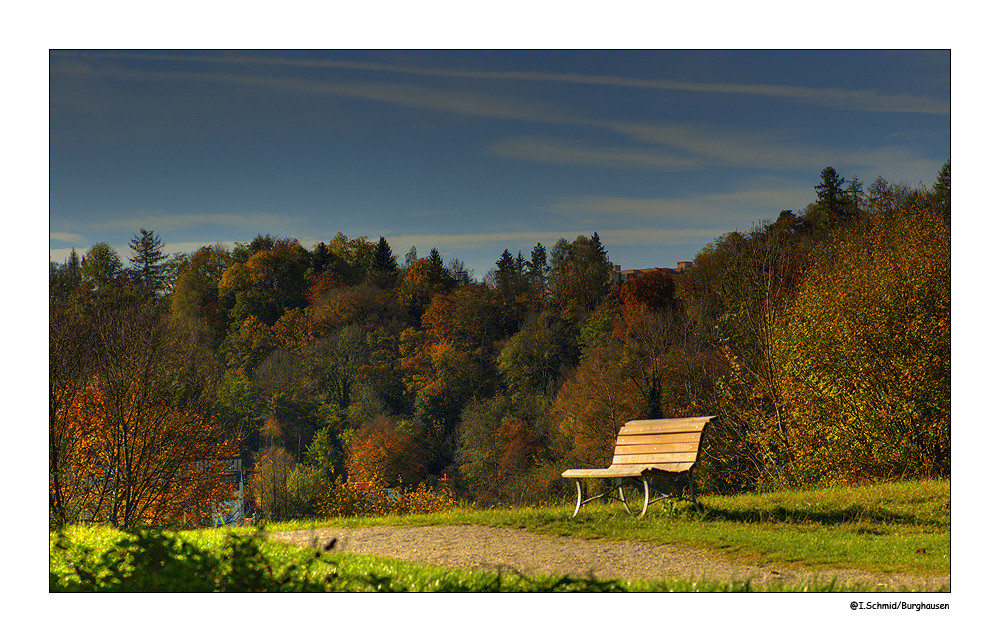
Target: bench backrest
671, 444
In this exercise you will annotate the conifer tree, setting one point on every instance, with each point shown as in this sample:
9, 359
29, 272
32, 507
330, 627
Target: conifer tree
148, 262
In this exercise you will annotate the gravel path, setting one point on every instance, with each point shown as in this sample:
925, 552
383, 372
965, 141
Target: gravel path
512, 550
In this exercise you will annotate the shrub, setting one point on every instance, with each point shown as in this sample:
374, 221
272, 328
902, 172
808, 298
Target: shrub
376, 498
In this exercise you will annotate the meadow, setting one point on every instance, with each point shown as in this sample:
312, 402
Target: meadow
902, 527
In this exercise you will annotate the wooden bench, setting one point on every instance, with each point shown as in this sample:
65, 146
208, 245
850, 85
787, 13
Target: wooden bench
645, 449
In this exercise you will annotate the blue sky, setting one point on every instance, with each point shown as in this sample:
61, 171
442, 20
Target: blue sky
472, 152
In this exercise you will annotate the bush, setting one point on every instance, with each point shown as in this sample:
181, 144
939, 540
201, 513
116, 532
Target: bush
376, 498
156, 561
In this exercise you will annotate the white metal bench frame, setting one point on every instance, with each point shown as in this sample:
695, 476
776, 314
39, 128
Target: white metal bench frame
647, 449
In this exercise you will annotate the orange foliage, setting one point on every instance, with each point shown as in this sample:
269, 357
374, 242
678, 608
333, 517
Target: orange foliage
140, 463
380, 450
320, 284
437, 318
520, 447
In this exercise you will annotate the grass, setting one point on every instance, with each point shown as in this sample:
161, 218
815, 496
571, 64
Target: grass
900, 527
101, 559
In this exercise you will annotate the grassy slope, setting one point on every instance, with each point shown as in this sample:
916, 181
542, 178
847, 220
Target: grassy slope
902, 527
899, 527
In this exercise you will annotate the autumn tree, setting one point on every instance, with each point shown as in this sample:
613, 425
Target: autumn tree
70, 371
498, 454
151, 455
267, 283
247, 345
268, 485
592, 404
365, 305
650, 329
195, 295
866, 353
382, 451
424, 278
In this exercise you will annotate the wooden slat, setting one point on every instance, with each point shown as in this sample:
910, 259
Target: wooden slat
661, 429
671, 438
641, 449
634, 471
657, 458
665, 469
643, 426
669, 420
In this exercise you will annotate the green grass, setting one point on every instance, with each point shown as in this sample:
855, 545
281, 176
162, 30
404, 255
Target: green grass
900, 527
100, 559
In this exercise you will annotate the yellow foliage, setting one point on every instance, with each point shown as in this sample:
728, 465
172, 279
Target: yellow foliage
375, 498
866, 354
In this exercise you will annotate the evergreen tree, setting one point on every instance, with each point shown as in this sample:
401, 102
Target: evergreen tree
384, 267
538, 268
148, 262
64, 278
941, 193
435, 271
320, 258
384, 259
832, 204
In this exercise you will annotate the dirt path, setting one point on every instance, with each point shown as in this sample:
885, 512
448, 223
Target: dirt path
492, 549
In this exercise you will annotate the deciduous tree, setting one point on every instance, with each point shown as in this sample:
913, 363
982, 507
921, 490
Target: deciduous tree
866, 353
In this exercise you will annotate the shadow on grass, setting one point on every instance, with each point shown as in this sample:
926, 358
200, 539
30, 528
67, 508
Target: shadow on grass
826, 516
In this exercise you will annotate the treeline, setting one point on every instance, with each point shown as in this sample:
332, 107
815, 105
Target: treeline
821, 340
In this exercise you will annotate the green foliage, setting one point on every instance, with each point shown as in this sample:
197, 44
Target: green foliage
148, 263
155, 561
579, 273
101, 267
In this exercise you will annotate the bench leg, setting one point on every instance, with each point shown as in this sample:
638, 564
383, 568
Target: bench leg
645, 500
579, 496
621, 496
691, 489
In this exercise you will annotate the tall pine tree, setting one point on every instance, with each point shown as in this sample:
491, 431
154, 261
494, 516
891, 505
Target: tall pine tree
148, 261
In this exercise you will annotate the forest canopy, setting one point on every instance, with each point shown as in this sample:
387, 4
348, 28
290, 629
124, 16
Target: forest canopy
820, 339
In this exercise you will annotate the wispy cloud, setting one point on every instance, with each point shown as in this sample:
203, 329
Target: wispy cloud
665, 146
726, 210
459, 102
771, 149
828, 97
68, 237
610, 235
548, 149
165, 222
